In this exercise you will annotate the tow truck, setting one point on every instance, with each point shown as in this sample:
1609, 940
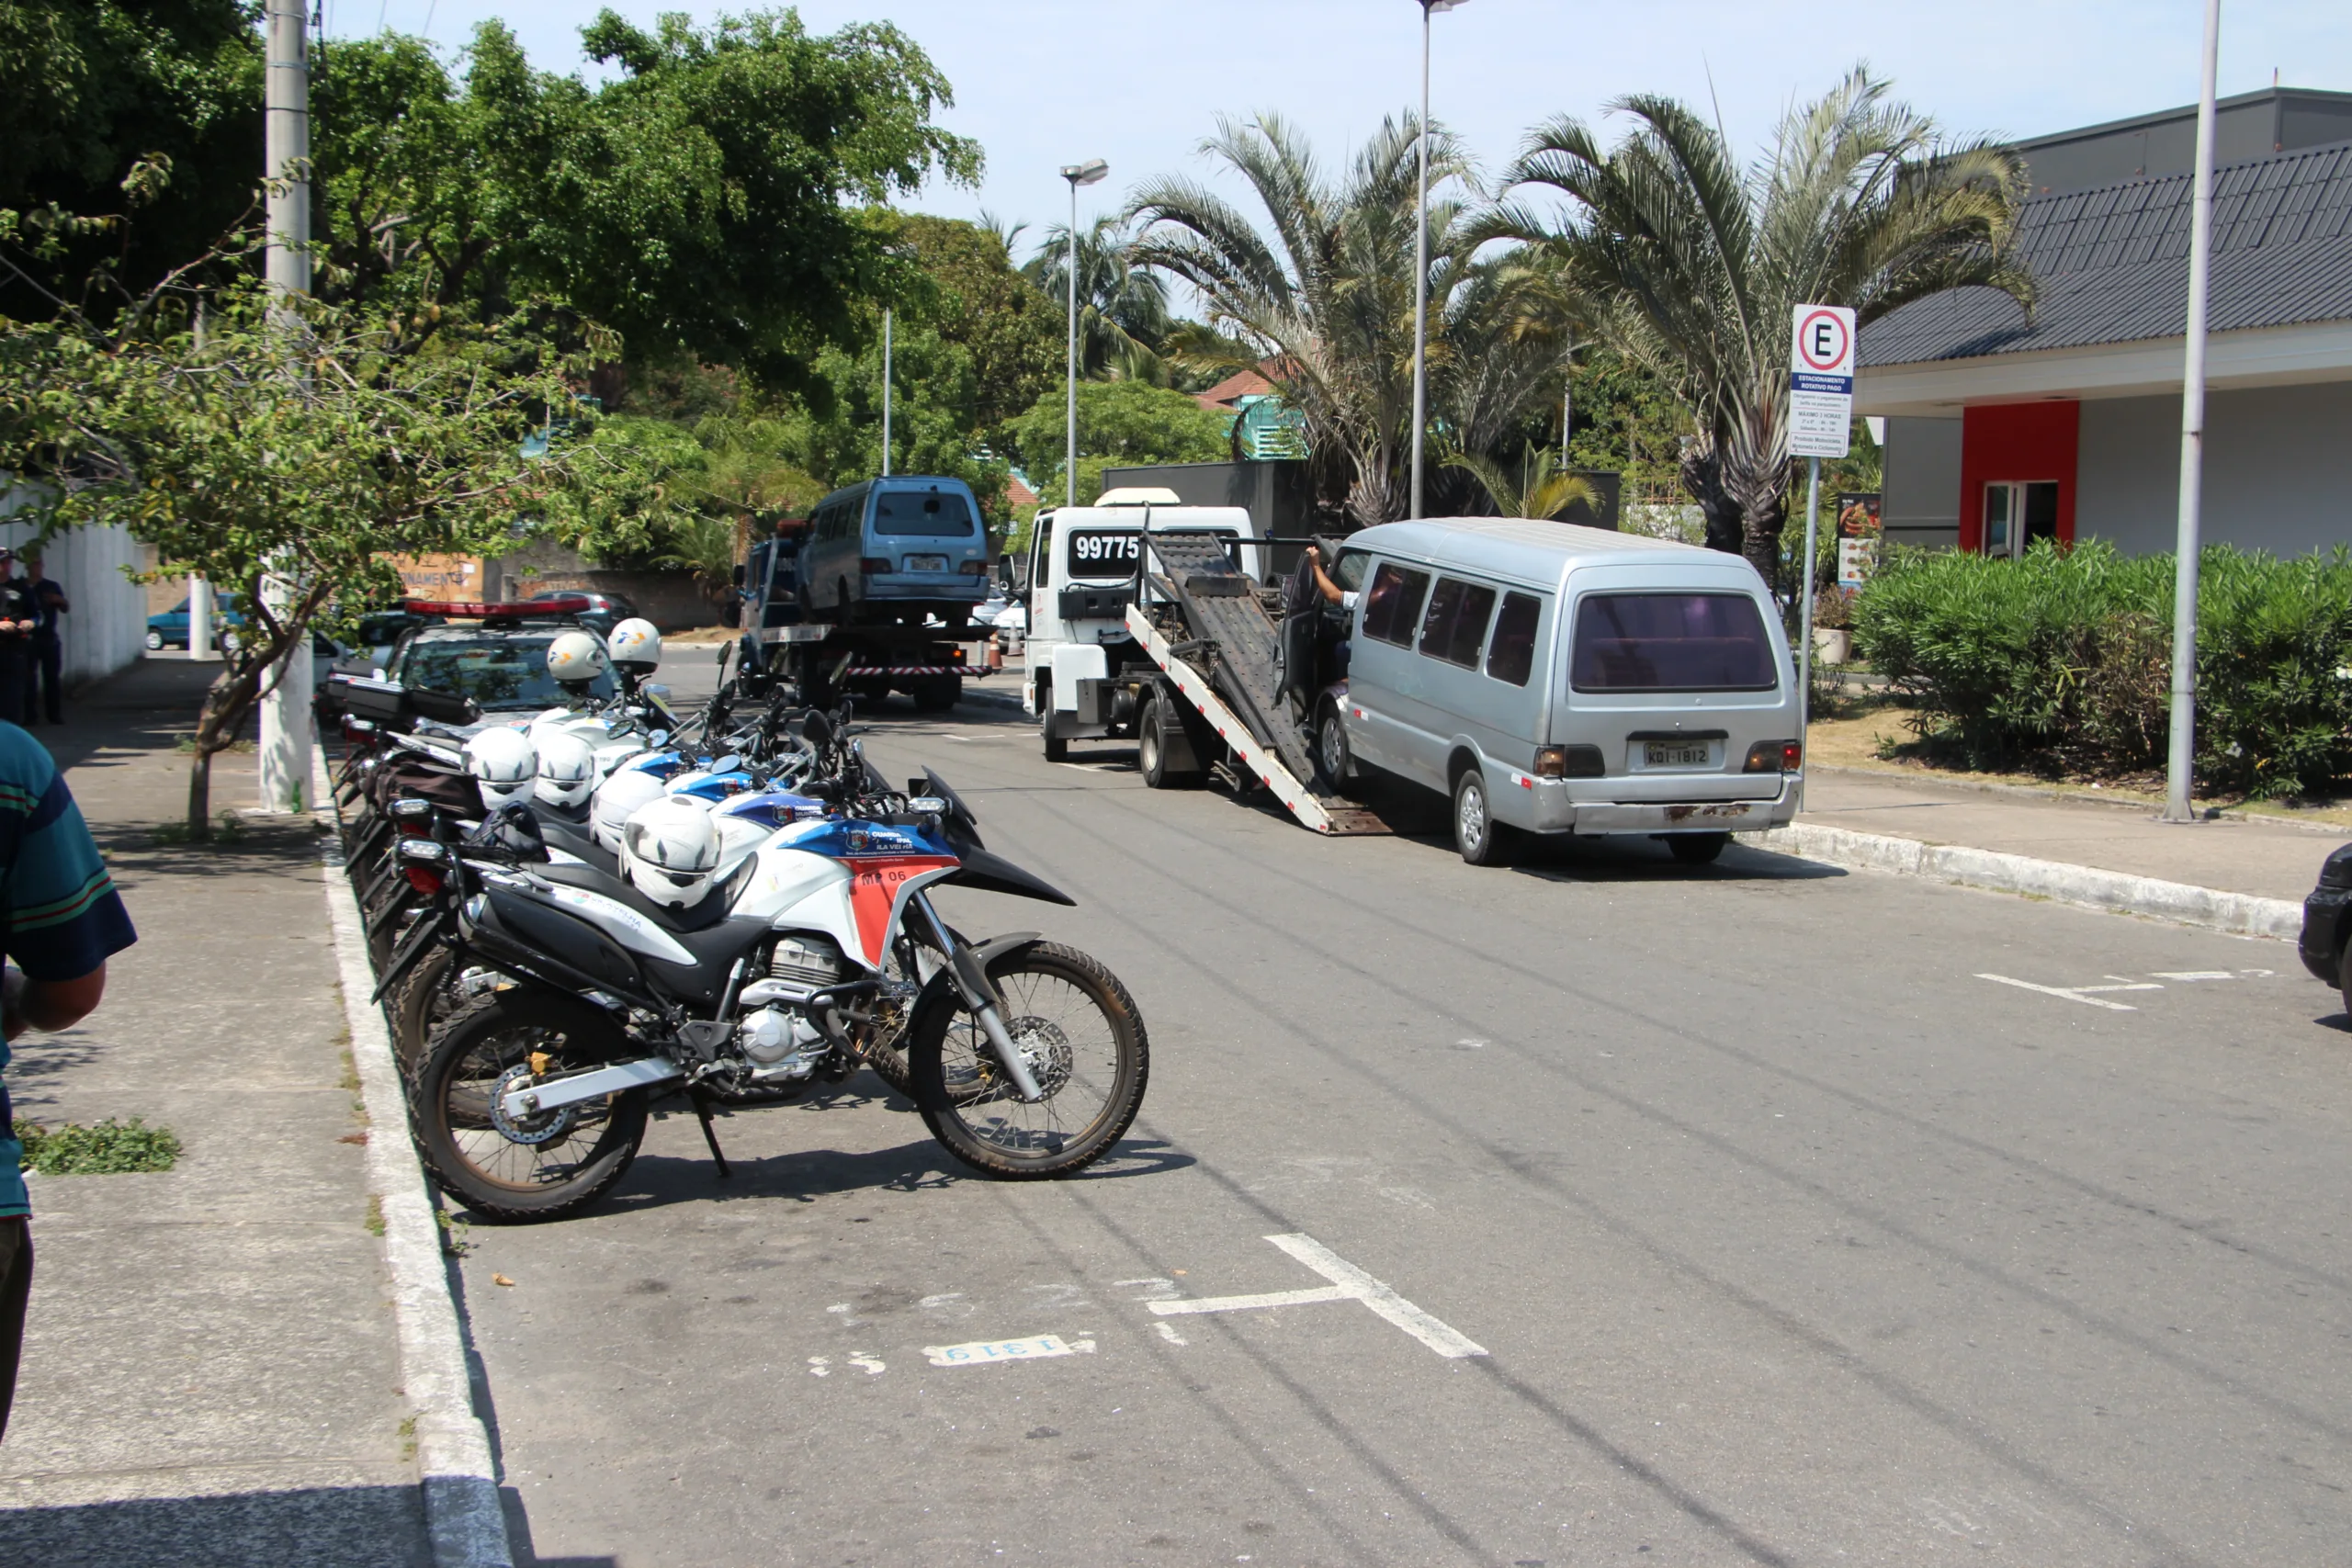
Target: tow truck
1144, 625
823, 659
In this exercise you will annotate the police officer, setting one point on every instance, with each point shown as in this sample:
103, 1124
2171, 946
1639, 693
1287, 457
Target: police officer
44, 673
18, 620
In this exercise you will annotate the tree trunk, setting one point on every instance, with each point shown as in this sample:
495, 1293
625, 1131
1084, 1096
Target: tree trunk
1702, 478
199, 794
1759, 490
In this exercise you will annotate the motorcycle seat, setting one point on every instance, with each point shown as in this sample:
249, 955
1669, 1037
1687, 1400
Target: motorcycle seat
703, 913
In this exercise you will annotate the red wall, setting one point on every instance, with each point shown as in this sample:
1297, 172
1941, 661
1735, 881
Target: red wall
2009, 443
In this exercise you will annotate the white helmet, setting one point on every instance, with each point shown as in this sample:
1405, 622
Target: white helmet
503, 764
619, 799
575, 659
636, 646
668, 851
567, 770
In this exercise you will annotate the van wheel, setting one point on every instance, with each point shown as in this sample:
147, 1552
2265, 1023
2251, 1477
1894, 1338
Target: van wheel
1481, 839
1697, 849
1335, 765
1057, 746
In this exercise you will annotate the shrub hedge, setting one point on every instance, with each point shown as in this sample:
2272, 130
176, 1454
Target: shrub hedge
2063, 659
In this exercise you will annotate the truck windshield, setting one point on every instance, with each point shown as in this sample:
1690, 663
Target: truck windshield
923, 514
1670, 642
499, 673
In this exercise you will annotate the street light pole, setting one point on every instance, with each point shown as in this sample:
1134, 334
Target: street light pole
286, 710
1078, 175
1421, 258
2181, 752
886, 394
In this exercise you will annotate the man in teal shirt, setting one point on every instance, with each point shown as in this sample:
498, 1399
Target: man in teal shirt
61, 920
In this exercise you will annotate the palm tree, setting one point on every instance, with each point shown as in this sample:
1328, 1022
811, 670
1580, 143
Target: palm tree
1123, 316
1694, 268
1326, 306
1541, 489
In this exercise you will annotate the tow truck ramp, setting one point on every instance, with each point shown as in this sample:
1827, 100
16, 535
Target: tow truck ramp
1227, 669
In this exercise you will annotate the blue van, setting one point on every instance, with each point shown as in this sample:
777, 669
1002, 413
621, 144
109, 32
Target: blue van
895, 549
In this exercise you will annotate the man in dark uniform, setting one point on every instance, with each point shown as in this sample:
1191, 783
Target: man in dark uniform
18, 622
44, 673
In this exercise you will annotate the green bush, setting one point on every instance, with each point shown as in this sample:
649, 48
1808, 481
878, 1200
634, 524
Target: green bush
110, 1148
2063, 661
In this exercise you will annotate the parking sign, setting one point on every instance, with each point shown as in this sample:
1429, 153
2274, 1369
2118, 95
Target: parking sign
1821, 380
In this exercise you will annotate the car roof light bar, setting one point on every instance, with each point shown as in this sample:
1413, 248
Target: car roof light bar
571, 605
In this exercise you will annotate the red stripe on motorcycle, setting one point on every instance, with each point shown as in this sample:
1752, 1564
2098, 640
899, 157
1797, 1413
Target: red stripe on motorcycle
874, 884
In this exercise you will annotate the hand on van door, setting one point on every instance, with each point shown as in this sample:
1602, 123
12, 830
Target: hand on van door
1332, 593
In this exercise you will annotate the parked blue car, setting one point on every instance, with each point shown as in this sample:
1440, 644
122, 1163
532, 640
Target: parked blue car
170, 628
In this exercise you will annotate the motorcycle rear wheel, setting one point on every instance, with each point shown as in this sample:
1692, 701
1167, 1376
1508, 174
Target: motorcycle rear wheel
493, 1171
1084, 1043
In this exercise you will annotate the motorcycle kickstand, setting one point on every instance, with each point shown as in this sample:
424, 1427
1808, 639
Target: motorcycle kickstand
709, 1134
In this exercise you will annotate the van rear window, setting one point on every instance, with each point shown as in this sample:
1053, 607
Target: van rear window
921, 514
1670, 642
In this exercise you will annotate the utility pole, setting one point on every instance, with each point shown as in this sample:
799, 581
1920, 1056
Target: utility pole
1078, 175
2181, 752
285, 737
1422, 259
886, 394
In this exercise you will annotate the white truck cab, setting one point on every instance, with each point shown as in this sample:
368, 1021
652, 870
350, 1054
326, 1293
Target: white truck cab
1082, 562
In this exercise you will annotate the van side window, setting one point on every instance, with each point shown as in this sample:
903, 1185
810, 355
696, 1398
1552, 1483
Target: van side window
1455, 627
1348, 572
1512, 656
1392, 606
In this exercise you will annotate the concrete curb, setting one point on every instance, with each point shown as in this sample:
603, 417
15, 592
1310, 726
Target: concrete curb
460, 1482
2240, 914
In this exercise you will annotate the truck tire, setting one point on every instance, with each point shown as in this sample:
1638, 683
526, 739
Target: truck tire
938, 694
1057, 747
1151, 748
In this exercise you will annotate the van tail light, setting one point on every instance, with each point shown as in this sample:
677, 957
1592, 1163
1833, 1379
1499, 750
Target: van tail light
1569, 762
1775, 757
873, 565
974, 568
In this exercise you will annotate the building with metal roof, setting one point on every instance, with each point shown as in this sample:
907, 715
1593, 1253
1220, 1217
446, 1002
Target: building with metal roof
2003, 427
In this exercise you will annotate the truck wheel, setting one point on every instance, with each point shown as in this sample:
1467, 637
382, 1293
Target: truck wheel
1481, 839
1335, 764
938, 695
1151, 747
1057, 747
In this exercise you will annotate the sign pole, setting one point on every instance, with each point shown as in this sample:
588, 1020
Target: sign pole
1821, 424
1805, 642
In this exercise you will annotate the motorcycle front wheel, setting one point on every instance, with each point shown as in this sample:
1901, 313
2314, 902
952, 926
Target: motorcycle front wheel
543, 1166
1082, 1041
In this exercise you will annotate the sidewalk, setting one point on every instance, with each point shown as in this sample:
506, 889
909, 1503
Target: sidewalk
2086, 851
212, 1374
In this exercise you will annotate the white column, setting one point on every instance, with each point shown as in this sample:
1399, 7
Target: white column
199, 618
286, 712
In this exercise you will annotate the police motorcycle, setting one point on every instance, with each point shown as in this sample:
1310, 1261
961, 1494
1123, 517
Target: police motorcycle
691, 975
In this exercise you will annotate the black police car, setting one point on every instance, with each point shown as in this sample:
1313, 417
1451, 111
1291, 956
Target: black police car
2328, 923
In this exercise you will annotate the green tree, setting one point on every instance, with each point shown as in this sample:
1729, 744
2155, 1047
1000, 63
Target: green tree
718, 195
1119, 423
1541, 488
978, 301
318, 448
107, 104
1123, 316
1694, 265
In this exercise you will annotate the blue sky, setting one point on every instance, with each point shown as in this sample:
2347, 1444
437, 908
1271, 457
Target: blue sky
1044, 83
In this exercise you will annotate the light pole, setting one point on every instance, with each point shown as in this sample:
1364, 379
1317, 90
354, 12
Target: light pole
886, 394
1078, 175
2181, 752
1421, 258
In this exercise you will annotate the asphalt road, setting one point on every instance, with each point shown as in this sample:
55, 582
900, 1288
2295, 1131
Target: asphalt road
1789, 1235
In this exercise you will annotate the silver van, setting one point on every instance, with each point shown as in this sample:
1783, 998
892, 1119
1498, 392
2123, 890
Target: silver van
1554, 678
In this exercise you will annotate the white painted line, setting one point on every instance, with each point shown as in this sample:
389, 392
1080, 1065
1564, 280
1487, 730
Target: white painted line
1428, 1330
462, 1513
2195, 974
987, 1352
2073, 994
1349, 1283
1245, 1304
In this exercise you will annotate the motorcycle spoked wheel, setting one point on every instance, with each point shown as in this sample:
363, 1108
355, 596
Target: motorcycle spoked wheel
542, 1168
422, 1005
1083, 1042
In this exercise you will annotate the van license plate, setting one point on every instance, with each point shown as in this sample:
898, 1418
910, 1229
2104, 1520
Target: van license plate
926, 563
1667, 754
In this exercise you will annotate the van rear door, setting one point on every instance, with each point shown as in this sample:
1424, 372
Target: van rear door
1675, 678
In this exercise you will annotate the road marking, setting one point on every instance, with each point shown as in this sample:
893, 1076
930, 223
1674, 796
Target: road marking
1168, 1332
868, 1360
1349, 1283
2082, 994
2213, 974
987, 1352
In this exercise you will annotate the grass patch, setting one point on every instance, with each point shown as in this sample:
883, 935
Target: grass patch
229, 830
185, 747
408, 1439
110, 1148
375, 1221
457, 1232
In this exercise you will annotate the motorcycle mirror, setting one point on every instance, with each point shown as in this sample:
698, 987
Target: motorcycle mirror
729, 763
816, 729
658, 738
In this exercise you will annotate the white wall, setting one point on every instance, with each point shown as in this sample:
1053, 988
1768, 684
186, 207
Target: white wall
2277, 469
106, 630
